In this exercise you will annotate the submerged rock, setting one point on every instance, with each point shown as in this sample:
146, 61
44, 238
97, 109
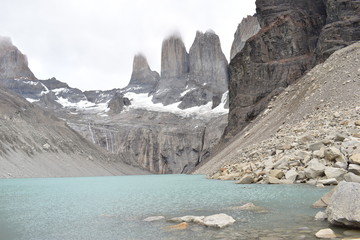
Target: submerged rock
154, 218
325, 233
180, 226
218, 220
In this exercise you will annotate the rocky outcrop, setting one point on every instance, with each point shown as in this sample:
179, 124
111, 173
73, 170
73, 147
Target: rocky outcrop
117, 103
143, 80
342, 27
280, 53
13, 64
174, 71
248, 27
343, 208
208, 71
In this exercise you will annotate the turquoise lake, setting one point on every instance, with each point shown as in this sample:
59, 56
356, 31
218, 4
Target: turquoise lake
107, 208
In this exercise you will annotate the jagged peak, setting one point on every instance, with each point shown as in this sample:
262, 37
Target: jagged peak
140, 62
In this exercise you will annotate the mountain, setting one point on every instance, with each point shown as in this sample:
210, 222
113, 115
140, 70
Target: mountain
164, 123
295, 37
308, 132
34, 143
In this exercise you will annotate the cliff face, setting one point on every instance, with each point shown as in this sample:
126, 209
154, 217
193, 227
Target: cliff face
294, 36
342, 27
248, 27
13, 64
174, 71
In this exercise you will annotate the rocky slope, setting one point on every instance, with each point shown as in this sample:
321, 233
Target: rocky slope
34, 143
309, 133
294, 37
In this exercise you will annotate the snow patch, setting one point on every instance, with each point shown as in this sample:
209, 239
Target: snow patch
83, 105
32, 100
143, 101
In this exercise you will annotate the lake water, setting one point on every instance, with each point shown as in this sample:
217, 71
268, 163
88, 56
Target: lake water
109, 208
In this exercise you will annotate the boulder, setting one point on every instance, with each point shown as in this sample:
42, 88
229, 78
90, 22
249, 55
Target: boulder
325, 233
338, 173
188, 219
154, 218
344, 206
218, 220
273, 180
246, 179
329, 181
276, 173
357, 123
320, 216
291, 175
180, 226
354, 168
324, 200
333, 154
351, 177
314, 169
250, 207
355, 158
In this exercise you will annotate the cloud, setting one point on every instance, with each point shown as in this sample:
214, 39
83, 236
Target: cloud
90, 44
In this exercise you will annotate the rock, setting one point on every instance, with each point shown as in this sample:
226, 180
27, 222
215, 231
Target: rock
180, 226
154, 218
248, 27
325, 233
351, 177
314, 169
291, 175
117, 103
324, 200
188, 219
320, 216
332, 153
281, 163
338, 173
143, 79
246, 179
174, 71
276, 173
342, 165
354, 168
14, 64
339, 137
250, 207
208, 67
315, 146
357, 123
273, 180
218, 220
330, 181
46, 146
264, 66
344, 206
355, 158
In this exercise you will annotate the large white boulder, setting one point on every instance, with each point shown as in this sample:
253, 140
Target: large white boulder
344, 206
218, 220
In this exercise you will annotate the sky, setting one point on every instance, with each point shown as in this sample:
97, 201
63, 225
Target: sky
90, 44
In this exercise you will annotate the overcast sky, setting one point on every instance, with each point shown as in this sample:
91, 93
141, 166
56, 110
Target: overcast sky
90, 44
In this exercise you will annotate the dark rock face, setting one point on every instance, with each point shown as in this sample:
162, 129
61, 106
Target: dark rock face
281, 52
13, 64
208, 74
248, 27
174, 71
342, 27
118, 102
143, 80
53, 83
